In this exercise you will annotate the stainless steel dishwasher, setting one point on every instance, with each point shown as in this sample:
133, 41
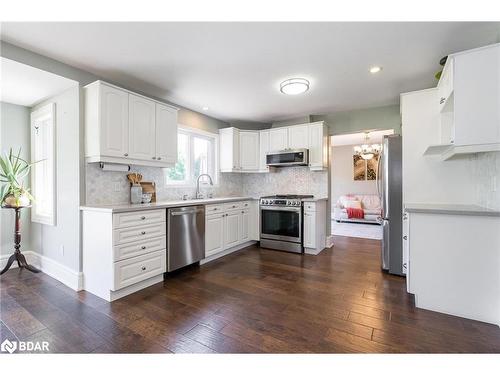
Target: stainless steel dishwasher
185, 236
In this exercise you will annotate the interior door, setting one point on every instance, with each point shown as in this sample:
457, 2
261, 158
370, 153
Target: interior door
141, 128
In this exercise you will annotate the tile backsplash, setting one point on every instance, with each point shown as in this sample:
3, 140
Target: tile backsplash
113, 187
486, 167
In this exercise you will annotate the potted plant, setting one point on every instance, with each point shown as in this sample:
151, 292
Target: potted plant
13, 169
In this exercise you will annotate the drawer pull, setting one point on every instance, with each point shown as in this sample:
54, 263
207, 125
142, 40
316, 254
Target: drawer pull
405, 237
143, 217
215, 209
143, 268
143, 233
143, 247
234, 206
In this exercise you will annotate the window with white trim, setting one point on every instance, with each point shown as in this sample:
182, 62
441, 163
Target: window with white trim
197, 154
43, 172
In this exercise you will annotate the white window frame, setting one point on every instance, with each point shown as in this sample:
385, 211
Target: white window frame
190, 181
46, 114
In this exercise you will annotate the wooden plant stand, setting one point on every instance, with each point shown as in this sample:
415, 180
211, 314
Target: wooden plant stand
18, 256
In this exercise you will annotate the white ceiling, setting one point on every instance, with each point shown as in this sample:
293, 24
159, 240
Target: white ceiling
359, 138
235, 68
24, 85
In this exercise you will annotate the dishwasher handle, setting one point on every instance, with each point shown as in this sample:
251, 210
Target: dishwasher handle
186, 212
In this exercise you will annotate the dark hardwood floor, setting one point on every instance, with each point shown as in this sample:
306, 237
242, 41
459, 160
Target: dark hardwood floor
253, 301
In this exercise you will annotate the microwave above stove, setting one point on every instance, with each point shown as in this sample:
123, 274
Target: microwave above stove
286, 158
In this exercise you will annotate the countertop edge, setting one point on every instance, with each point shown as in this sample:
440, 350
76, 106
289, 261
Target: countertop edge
314, 199
160, 205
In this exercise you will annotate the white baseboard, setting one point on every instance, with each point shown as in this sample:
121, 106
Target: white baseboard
226, 252
310, 251
329, 241
54, 269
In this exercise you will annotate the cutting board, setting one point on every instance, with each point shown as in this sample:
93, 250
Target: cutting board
149, 187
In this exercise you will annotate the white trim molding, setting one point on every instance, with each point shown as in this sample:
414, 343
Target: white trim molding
56, 270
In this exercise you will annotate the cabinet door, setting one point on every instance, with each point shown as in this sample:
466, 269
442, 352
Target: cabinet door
214, 234
141, 128
113, 122
406, 241
249, 151
166, 134
232, 229
263, 149
229, 140
310, 230
245, 226
316, 146
278, 139
298, 136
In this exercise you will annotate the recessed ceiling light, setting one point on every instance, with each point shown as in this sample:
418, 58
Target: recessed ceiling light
205, 108
294, 86
375, 69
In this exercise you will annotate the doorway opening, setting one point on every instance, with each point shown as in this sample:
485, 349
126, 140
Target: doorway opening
354, 169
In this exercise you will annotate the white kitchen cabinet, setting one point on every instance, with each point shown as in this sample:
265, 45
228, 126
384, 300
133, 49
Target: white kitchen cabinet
229, 139
141, 125
314, 226
245, 225
127, 128
263, 150
298, 136
406, 245
318, 146
309, 229
106, 119
166, 134
249, 151
278, 139
467, 102
232, 229
214, 234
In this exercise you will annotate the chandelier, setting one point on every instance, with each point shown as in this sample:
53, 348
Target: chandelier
367, 150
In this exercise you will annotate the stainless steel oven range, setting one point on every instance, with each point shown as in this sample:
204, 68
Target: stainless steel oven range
281, 222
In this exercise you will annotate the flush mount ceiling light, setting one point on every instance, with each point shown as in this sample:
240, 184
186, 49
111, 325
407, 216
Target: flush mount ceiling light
375, 69
367, 151
294, 86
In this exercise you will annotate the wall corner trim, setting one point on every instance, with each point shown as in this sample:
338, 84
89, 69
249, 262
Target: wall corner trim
65, 275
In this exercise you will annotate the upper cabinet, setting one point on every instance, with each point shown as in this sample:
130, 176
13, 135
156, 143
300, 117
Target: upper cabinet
298, 136
278, 139
468, 102
245, 150
249, 150
123, 127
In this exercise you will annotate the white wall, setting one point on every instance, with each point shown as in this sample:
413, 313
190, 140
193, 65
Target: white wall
343, 175
15, 133
61, 242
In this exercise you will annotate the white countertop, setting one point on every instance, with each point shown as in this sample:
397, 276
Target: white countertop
112, 208
451, 209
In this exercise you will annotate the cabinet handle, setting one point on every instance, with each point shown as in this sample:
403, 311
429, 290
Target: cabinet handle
125, 154
405, 237
143, 217
143, 233
154, 157
441, 101
159, 158
143, 268
143, 247
242, 212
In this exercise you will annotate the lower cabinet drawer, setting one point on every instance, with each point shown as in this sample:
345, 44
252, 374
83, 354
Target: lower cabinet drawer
213, 209
138, 233
133, 249
232, 206
134, 270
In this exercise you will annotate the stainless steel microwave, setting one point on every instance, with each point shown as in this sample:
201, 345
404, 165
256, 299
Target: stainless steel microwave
288, 158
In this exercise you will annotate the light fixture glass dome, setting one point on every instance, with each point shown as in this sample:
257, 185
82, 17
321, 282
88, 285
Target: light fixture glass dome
294, 86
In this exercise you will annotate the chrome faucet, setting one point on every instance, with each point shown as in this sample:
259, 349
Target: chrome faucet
198, 194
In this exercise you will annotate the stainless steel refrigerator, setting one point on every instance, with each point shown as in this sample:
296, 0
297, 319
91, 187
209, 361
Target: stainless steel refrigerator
390, 191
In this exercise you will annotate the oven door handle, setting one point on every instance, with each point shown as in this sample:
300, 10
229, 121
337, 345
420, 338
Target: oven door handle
278, 208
